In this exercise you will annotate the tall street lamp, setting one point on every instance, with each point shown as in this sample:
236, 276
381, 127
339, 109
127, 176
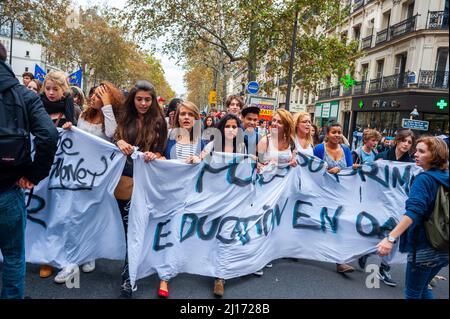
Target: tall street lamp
291, 61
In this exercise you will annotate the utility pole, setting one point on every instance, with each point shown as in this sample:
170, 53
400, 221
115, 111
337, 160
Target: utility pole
11, 41
291, 62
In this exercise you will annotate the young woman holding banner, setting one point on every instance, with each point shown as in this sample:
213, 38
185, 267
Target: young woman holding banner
98, 119
424, 260
142, 125
303, 138
183, 144
337, 157
231, 141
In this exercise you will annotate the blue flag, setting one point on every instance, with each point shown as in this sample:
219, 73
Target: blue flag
75, 78
39, 73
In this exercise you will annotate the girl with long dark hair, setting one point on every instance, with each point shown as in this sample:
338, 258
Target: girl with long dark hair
141, 124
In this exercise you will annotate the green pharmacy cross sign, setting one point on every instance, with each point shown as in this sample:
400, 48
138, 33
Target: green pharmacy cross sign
361, 104
348, 81
442, 104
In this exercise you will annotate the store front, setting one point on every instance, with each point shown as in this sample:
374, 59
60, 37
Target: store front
326, 113
385, 112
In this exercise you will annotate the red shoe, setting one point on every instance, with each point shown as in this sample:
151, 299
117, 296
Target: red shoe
163, 293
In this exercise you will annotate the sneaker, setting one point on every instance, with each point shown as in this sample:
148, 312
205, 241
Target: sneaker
126, 291
66, 273
89, 266
269, 265
219, 288
433, 282
344, 268
385, 276
259, 272
45, 271
362, 261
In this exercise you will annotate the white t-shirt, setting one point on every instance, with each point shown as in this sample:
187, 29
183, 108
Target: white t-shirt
96, 129
298, 146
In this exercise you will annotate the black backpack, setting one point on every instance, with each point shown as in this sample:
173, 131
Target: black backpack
15, 144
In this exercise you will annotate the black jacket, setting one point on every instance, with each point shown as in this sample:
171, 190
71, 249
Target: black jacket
40, 124
389, 155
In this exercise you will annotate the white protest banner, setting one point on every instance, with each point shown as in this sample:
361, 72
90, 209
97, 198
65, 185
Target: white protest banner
220, 219
73, 216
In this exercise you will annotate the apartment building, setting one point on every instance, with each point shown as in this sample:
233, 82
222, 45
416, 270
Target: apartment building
405, 67
25, 54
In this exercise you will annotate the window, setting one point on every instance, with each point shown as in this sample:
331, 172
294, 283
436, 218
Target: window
357, 32
441, 68
26, 69
380, 67
27, 54
400, 63
386, 19
410, 11
442, 60
364, 71
370, 27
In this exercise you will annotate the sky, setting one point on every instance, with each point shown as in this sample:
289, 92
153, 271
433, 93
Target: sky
174, 73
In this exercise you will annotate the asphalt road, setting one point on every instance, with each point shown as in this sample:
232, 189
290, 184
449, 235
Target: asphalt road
287, 279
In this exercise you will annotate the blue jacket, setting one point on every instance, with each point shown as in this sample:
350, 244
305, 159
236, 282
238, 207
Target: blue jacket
319, 151
172, 142
420, 205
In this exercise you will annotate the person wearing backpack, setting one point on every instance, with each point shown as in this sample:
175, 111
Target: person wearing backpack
425, 256
21, 113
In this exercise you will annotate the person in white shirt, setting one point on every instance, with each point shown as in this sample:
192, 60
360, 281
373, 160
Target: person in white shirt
99, 119
303, 138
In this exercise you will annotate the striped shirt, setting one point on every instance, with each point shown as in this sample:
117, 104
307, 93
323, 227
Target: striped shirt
184, 151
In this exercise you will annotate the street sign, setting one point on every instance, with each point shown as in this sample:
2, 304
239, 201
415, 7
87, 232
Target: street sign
253, 87
212, 97
415, 124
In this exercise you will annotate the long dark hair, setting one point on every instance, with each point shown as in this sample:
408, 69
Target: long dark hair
204, 122
316, 138
152, 135
239, 137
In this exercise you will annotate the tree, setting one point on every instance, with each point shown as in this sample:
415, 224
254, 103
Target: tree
38, 18
199, 81
246, 30
223, 24
320, 51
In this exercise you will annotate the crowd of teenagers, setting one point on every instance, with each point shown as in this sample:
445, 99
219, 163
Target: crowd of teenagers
135, 120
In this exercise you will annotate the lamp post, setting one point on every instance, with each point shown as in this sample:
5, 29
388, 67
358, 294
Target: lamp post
414, 113
10, 42
291, 61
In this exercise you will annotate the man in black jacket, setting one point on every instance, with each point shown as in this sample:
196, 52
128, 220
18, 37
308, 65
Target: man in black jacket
13, 178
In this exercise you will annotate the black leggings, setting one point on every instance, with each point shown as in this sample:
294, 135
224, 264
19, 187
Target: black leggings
124, 207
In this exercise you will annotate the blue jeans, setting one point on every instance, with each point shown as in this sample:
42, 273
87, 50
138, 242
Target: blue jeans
12, 242
417, 280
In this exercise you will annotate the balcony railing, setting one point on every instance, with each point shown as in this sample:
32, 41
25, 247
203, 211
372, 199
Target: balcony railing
324, 94
359, 87
335, 90
437, 20
433, 79
346, 91
382, 36
375, 85
366, 42
358, 4
403, 27
394, 82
